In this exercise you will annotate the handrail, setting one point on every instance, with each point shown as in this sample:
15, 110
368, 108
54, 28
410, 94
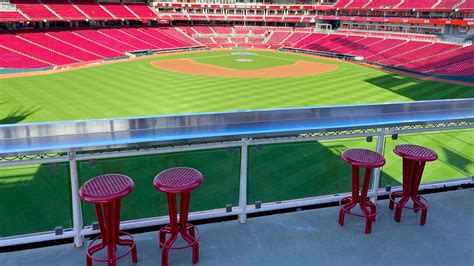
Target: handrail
31, 138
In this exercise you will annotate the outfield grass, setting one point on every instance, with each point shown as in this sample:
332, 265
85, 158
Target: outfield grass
136, 88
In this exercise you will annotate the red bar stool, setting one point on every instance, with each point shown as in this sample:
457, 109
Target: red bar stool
414, 160
173, 181
105, 192
366, 159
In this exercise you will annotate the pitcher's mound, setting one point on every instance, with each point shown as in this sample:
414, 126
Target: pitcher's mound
300, 68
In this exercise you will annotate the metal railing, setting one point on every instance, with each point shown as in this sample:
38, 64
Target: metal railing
73, 142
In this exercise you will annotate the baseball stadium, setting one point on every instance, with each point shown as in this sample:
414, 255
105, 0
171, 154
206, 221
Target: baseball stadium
236, 132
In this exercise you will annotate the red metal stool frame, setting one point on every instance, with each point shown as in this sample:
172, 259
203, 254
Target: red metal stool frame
106, 192
414, 160
366, 159
174, 181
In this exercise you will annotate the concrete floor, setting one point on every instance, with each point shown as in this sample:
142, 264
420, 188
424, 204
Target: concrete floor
310, 237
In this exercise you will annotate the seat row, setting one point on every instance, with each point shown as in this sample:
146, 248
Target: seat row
403, 4
107, 191
425, 57
81, 10
33, 48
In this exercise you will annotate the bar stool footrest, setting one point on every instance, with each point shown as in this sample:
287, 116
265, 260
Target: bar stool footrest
348, 211
91, 245
392, 197
167, 230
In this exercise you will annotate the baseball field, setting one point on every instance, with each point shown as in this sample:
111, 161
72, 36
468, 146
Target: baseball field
207, 81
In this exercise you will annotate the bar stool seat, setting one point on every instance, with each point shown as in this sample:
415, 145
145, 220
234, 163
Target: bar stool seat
363, 158
173, 181
366, 159
178, 180
106, 192
414, 160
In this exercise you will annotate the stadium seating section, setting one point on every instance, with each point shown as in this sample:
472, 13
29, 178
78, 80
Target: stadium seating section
57, 10
402, 4
33, 48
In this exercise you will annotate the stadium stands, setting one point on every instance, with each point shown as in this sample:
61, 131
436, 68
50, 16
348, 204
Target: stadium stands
277, 37
10, 16
222, 29
34, 10
20, 45
91, 46
105, 40
119, 10
401, 4
143, 11
92, 9
119, 34
12, 59
467, 5
417, 4
64, 9
203, 29
63, 46
382, 4
447, 4
58, 46
459, 69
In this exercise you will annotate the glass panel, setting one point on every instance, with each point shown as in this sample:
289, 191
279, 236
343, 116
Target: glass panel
34, 198
455, 150
280, 172
220, 168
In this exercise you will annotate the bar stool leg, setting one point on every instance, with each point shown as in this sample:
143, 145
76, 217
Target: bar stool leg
192, 232
123, 242
363, 199
111, 237
173, 228
417, 204
184, 211
408, 167
391, 203
355, 195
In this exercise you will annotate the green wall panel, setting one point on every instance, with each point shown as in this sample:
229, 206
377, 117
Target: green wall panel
280, 172
455, 150
34, 198
220, 168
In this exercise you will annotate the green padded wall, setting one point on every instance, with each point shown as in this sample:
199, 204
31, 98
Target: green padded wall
34, 198
220, 168
455, 150
280, 172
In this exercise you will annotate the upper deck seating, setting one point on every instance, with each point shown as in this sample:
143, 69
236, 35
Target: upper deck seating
142, 10
10, 16
64, 9
119, 10
92, 9
417, 4
34, 10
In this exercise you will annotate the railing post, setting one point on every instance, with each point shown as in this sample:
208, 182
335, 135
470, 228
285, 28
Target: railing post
76, 201
378, 171
243, 181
